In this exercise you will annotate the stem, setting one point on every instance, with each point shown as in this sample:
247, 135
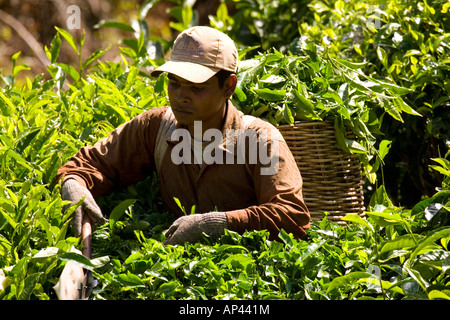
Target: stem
26, 36
375, 236
80, 61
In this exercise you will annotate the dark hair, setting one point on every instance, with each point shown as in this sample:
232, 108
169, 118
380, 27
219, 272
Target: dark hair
223, 75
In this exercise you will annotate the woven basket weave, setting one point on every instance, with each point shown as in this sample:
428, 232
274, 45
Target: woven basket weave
332, 180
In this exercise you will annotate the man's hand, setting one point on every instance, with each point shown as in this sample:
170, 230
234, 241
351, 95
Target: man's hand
73, 191
190, 228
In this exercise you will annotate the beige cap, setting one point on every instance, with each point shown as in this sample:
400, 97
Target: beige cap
199, 53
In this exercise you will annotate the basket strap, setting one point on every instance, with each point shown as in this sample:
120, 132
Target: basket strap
247, 120
165, 130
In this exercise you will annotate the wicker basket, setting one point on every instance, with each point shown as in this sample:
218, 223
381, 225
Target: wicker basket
332, 180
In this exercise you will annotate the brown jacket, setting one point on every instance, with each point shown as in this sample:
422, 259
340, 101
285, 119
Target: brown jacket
251, 200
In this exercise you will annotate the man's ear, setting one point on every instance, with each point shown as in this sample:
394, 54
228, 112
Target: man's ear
230, 85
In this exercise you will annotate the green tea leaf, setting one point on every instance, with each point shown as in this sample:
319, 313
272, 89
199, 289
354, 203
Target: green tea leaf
85, 262
47, 253
29, 285
168, 288
134, 256
357, 219
270, 94
94, 56
382, 55
386, 218
237, 261
347, 280
119, 210
439, 294
68, 69
186, 15
130, 280
287, 238
19, 159
69, 38
114, 24
352, 65
55, 45
288, 115
304, 109
415, 274
354, 146
404, 242
8, 214
400, 104
384, 147
431, 239
312, 248
9, 104
380, 197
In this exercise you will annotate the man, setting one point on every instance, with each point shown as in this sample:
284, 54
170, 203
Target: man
197, 149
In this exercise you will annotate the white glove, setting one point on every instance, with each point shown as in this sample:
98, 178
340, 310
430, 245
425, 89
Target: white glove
73, 191
190, 228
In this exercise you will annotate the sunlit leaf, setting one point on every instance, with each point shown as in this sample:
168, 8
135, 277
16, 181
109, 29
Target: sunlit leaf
69, 38
119, 210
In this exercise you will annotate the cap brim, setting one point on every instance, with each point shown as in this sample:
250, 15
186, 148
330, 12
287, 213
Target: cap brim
189, 71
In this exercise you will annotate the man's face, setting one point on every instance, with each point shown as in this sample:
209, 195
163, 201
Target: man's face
197, 101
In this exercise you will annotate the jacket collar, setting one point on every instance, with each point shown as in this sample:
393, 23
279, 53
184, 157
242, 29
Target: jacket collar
233, 120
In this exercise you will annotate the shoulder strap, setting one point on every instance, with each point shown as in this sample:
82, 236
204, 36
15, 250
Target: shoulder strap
247, 120
165, 130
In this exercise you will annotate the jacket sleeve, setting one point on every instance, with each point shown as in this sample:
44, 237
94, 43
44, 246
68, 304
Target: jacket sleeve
121, 159
279, 194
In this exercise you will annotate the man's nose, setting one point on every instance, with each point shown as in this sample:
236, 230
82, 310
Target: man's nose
183, 94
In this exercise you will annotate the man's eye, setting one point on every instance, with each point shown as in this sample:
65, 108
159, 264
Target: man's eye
174, 84
197, 89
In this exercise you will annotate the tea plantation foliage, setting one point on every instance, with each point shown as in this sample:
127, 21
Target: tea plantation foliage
381, 71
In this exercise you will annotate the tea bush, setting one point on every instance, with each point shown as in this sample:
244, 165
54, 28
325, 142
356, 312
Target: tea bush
407, 42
